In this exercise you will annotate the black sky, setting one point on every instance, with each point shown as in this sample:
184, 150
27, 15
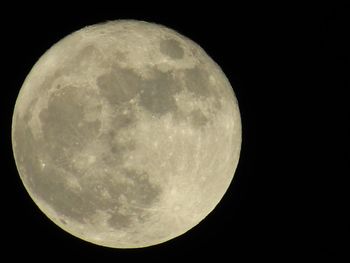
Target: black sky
289, 67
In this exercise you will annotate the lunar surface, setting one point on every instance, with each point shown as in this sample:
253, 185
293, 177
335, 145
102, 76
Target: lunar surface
126, 134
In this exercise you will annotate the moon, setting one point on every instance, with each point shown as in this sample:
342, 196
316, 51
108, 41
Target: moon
126, 134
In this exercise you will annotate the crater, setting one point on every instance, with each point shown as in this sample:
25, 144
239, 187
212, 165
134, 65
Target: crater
120, 148
123, 195
53, 188
92, 109
84, 55
64, 129
158, 96
64, 137
119, 86
138, 194
119, 220
197, 81
117, 141
29, 112
121, 120
28, 151
197, 118
47, 183
142, 192
171, 48
63, 221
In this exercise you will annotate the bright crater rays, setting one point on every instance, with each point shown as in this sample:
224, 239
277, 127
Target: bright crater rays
126, 134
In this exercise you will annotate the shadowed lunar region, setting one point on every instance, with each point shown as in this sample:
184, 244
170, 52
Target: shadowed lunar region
126, 134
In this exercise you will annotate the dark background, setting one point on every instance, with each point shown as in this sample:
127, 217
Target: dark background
289, 67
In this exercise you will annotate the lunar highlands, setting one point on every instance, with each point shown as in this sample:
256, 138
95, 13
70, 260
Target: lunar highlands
126, 134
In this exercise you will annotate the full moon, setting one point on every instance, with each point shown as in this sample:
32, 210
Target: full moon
126, 134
